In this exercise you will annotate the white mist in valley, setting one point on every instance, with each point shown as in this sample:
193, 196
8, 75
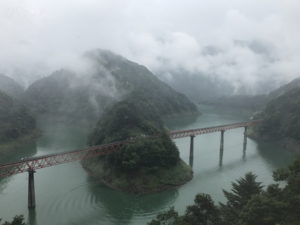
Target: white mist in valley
251, 45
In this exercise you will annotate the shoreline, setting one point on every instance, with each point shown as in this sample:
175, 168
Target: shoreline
134, 186
286, 143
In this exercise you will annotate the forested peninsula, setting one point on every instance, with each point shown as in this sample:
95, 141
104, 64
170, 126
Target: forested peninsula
147, 163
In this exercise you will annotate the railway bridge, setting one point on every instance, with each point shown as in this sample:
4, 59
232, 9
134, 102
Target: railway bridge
31, 164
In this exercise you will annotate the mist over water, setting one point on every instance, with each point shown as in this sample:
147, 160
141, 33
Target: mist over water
67, 195
73, 60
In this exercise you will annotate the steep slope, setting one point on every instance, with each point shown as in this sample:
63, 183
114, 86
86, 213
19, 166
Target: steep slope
281, 120
282, 116
67, 97
107, 79
130, 76
254, 103
145, 164
10, 87
285, 88
196, 86
15, 122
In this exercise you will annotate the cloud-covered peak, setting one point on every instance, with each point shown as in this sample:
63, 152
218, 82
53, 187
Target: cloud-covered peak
245, 42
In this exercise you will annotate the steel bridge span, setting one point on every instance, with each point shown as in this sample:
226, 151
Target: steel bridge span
31, 164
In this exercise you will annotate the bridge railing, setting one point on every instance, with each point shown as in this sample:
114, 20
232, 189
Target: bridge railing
199, 131
39, 162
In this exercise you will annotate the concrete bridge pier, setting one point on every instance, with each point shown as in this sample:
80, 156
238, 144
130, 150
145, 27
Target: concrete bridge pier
31, 191
192, 151
245, 143
221, 148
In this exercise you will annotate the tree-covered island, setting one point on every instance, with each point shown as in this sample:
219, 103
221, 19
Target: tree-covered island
146, 164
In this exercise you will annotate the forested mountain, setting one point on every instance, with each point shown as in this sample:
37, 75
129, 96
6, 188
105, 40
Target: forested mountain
132, 77
145, 164
15, 119
281, 117
148, 164
10, 87
284, 88
65, 96
253, 103
109, 77
198, 87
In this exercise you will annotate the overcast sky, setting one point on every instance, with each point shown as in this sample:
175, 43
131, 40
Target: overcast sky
239, 40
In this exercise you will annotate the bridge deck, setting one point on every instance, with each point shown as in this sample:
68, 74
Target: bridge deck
199, 131
44, 161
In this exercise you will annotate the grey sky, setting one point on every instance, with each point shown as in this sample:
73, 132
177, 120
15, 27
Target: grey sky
240, 40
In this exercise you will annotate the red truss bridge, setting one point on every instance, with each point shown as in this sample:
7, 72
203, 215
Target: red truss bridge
206, 130
31, 164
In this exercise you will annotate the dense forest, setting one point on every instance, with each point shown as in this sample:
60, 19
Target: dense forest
108, 78
281, 117
149, 163
17, 220
17, 123
136, 118
247, 203
15, 119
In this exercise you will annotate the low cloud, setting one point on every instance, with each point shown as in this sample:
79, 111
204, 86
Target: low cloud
249, 43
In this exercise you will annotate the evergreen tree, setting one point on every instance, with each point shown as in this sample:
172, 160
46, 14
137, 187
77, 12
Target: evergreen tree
263, 210
203, 212
291, 192
247, 203
18, 220
241, 192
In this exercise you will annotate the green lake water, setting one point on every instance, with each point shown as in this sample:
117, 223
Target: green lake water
66, 195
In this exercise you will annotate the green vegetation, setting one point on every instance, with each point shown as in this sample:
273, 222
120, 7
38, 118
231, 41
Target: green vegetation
64, 97
72, 97
281, 117
128, 118
144, 180
247, 203
17, 220
15, 120
145, 164
137, 80
17, 125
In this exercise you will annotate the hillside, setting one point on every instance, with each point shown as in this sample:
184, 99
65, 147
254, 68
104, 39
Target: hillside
251, 103
145, 164
281, 118
66, 97
198, 87
10, 87
15, 122
284, 89
108, 78
130, 76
